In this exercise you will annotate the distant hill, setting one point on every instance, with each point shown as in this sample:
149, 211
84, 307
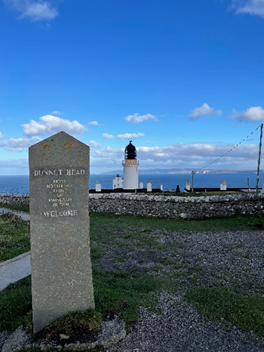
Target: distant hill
157, 171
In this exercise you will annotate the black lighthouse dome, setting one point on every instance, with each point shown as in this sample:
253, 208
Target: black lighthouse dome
130, 151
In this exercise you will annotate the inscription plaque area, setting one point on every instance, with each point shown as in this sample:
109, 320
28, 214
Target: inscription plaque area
59, 228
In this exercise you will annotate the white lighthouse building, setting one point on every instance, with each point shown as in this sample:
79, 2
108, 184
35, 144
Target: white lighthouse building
130, 167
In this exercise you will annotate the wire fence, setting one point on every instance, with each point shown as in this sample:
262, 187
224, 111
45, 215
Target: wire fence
229, 151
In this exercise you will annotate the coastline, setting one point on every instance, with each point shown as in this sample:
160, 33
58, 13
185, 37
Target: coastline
20, 184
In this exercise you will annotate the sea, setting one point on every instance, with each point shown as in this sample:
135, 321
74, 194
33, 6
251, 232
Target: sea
20, 184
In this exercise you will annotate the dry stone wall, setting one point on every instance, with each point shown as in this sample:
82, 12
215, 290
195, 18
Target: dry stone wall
166, 206
14, 199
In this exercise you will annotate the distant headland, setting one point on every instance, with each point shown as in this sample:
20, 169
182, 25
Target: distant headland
186, 171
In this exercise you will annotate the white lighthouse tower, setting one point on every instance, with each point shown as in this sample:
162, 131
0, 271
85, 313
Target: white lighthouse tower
130, 167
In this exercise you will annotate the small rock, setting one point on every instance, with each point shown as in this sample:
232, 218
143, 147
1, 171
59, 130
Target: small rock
64, 337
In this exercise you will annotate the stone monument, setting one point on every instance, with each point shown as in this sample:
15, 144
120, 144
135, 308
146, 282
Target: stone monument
59, 227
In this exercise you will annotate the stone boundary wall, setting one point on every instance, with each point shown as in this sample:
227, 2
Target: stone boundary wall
14, 199
165, 206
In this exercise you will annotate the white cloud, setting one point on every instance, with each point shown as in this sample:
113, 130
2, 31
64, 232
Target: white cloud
94, 144
203, 110
108, 136
251, 7
130, 135
198, 155
56, 112
109, 157
254, 114
34, 10
136, 118
1, 135
18, 144
123, 135
192, 156
50, 124
94, 123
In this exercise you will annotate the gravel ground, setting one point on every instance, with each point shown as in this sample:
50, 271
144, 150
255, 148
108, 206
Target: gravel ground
203, 259
225, 257
3, 337
180, 328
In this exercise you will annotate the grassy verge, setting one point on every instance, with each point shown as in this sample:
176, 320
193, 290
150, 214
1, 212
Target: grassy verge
15, 303
245, 311
122, 292
102, 223
14, 236
24, 208
118, 293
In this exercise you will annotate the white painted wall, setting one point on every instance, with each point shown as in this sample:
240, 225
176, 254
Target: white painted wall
98, 187
149, 186
118, 182
130, 173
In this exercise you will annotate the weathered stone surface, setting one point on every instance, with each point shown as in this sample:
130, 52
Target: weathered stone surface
59, 227
175, 207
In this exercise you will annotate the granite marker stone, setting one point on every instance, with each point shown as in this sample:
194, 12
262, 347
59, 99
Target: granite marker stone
59, 227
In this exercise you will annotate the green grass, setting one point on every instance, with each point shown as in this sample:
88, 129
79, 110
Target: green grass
245, 311
123, 292
125, 225
14, 236
23, 208
15, 303
115, 293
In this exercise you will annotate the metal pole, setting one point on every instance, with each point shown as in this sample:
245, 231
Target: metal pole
248, 184
192, 180
259, 156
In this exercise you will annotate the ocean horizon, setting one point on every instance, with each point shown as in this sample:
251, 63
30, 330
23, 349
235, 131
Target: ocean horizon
20, 184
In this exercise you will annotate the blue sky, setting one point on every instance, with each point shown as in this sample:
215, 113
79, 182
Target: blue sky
182, 79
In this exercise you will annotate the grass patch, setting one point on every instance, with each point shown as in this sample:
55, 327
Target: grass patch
155, 268
116, 293
245, 311
14, 236
24, 208
123, 292
120, 226
15, 303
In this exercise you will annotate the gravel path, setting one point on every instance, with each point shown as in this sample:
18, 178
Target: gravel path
225, 257
14, 269
22, 215
180, 328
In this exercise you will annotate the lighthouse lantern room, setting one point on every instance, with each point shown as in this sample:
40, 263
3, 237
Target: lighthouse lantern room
130, 167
